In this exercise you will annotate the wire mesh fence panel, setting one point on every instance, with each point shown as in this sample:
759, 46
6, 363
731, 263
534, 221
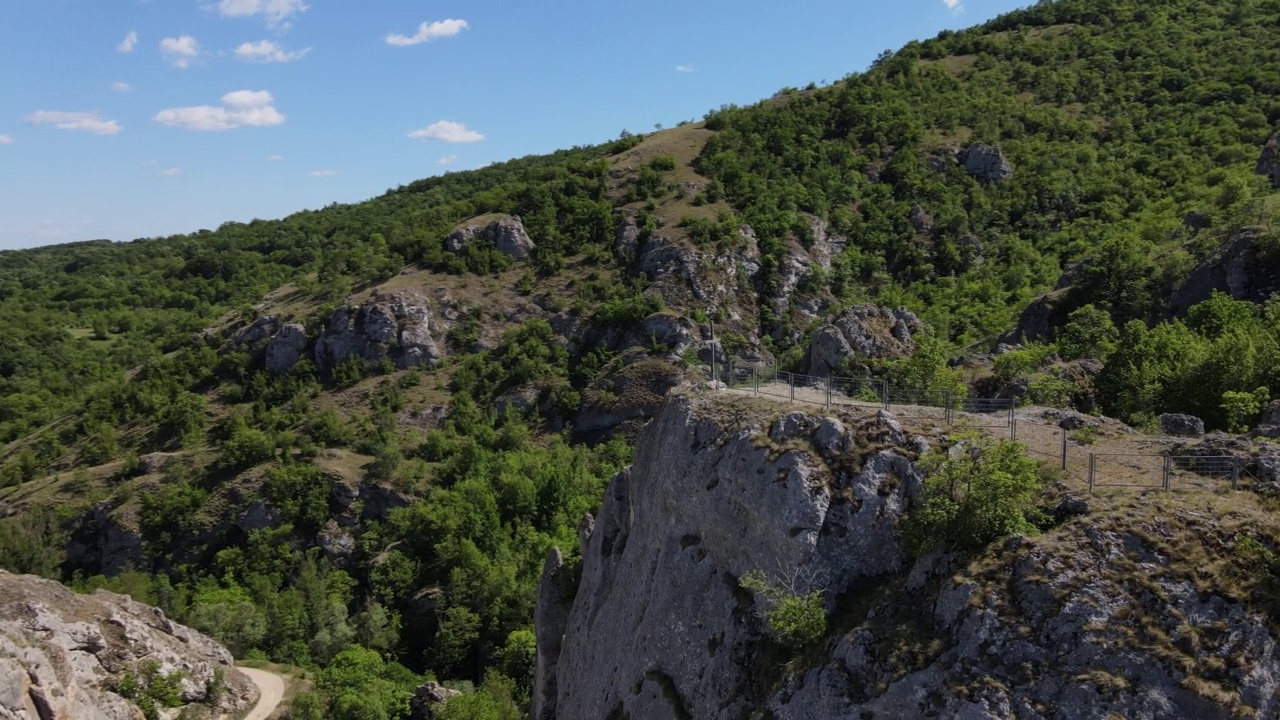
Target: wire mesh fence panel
988, 412
1043, 441
1207, 470
1077, 465
931, 404
810, 389
861, 392
1128, 470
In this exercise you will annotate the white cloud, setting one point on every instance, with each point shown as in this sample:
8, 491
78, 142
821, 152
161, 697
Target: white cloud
428, 31
323, 173
275, 158
171, 172
955, 6
86, 121
265, 51
684, 68
129, 42
447, 160
242, 108
276, 12
180, 51
453, 132
121, 86
6, 139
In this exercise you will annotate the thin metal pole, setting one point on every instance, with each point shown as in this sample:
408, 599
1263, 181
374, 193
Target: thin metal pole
886, 395
1064, 449
948, 397
1093, 465
1168, 461
828, 394
1235, 473
791, 380
755, 380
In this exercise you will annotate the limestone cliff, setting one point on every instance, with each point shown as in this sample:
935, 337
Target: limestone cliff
1144, 607
61, 654
659, 626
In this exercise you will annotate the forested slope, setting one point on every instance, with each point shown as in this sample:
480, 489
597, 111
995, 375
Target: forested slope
1083, 158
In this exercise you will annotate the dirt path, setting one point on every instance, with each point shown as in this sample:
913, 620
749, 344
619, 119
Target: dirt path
272, 689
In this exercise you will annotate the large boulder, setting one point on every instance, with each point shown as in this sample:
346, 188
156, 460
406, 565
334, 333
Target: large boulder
1269, 162
987, 163
860, 333
396, 326
506, 232
61, 654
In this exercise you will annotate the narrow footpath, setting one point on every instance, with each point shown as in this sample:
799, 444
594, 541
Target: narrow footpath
271, 687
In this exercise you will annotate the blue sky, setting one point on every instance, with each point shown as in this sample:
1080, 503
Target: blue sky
137, 118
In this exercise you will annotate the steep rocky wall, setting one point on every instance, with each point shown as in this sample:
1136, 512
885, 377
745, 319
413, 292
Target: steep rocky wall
60, 653
659, 626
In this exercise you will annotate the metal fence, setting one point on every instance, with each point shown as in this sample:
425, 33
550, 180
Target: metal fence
1050, 443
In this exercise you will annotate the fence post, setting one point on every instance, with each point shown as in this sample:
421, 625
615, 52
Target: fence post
755, 380
827, 394
1168, 462
791, 380
1235, 472
948, 397
885, 386
1093, 464
1064, 449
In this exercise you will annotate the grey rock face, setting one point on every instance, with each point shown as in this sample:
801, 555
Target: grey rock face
255, 332
921, 220
1271, 416
428, 698
1180, 425
987, 163
1234, 269
863, 331
395, 326
285, 349
669, 330
658, 626
60, 652
1269, 162
627, 241
507, 233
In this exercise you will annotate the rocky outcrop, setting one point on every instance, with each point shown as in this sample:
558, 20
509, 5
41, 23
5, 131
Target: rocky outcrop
428, 698
506, 232
61, 653
658, 625
627, 400
395, 326
1236, 269
861, 333
1269, 162
286, 348
1054, 628
987, 163
1179, 425
1040, 318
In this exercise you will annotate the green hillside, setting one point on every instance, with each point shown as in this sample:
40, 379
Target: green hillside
377, 522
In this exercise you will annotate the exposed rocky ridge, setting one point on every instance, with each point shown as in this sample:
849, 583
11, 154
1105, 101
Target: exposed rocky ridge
987, 163
506, 232
861, 333
61, 652
658, 625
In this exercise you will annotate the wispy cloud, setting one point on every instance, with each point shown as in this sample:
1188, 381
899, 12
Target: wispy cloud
275, 158
129, 42
448, 131
121, 87
171, 172
265, 51
6, 139
447, 160
84, 121
324, 173
180, 51
955, 6
428, 31
276, 12
242, 108
684, 68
